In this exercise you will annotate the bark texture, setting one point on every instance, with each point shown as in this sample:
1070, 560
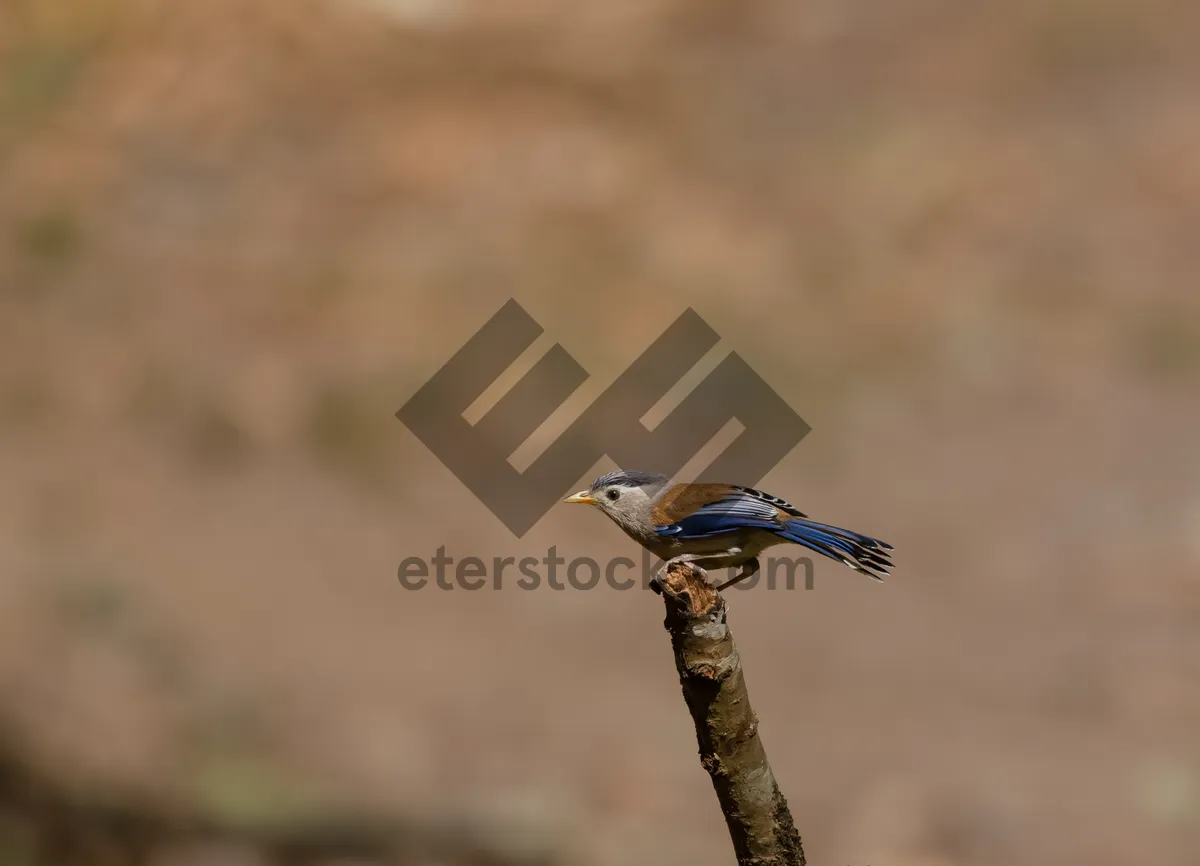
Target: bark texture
710, 672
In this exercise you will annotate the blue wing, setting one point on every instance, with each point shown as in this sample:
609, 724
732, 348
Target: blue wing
736, 510
741, 508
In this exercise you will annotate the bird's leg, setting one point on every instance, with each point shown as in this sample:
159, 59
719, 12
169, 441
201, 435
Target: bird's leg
749, 569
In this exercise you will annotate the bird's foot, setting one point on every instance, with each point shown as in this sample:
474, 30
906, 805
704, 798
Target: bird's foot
656, 586
656, 582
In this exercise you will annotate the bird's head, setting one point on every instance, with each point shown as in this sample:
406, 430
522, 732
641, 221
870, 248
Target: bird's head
623, 496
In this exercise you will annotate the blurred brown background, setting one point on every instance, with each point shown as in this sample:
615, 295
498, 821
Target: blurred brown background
960, 239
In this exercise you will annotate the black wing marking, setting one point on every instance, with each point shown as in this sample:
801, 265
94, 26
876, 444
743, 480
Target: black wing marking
781, 504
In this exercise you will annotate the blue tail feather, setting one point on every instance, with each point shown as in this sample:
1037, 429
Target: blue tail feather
860, 552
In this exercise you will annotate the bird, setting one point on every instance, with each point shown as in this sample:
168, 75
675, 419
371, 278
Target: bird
721, 525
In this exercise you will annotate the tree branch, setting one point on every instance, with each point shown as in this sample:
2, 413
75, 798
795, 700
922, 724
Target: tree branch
710, 672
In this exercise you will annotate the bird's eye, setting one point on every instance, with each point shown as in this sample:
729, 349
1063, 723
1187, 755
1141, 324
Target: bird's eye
613, 494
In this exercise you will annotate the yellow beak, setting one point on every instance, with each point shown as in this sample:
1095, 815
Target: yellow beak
581, 497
